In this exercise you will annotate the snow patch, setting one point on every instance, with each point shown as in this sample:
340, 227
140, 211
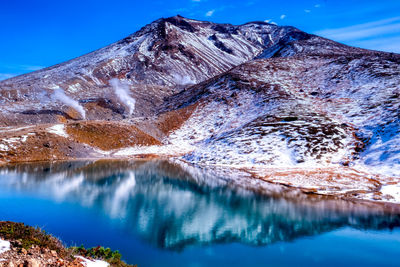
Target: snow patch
58, 129
74, 87
12, 142
12, 129
102, 152
25, 137
4, 246
92, 263
391, 193
164, 150
182, 80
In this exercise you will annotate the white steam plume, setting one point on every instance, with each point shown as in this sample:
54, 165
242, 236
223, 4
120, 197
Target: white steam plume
60, 95
122, 92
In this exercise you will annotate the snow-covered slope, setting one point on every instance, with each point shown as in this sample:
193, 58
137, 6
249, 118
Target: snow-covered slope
301, 112
293, 111
157, 61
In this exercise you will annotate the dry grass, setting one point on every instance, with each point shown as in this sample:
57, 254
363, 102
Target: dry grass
27, 236
109, 135
173, 120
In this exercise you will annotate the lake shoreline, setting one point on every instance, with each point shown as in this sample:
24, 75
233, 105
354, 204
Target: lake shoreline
256, 185
54, 142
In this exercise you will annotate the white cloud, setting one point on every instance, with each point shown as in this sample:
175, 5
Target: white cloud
4, 76
270, 21
21, 68
283, 16
210, 13
381, 35
12, 70
307, 10
317, 6
389, 44
196, 0
361, 31
31, 68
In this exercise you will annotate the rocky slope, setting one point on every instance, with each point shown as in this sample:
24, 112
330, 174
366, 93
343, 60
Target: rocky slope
286, 106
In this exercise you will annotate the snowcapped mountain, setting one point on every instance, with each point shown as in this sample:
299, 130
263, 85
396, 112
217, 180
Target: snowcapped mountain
157, 61
286, 106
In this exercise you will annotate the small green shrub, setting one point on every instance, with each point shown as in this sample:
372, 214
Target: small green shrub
101, 253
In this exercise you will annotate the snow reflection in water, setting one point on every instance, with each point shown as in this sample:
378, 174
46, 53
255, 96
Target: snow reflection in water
173, 205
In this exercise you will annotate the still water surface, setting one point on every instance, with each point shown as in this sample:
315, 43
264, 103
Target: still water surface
158, 213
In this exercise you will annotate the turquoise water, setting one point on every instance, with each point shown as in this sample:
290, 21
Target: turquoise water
158, 213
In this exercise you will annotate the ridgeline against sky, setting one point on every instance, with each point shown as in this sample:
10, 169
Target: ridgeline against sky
42, 33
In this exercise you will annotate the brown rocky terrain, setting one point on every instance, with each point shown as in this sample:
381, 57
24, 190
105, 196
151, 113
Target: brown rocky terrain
35, 257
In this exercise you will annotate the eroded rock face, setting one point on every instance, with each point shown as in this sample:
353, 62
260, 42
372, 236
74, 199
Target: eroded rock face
255, 96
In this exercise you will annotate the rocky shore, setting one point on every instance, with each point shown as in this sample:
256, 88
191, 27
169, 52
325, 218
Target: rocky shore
25, 246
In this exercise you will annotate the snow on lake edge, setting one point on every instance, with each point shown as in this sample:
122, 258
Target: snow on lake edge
93, 263
4, 246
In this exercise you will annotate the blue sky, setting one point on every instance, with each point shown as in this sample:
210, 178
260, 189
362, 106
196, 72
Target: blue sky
42, 33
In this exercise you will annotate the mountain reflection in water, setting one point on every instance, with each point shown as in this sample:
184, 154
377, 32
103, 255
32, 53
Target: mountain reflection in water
173, 205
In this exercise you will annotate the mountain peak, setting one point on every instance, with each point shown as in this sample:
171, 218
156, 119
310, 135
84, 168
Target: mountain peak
177, 16
181, 22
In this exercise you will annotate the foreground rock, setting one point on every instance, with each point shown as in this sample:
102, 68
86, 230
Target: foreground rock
35, 257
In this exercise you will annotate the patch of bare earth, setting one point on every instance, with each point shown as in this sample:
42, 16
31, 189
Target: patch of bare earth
109, 135
69, 141
37, 144
172, 120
